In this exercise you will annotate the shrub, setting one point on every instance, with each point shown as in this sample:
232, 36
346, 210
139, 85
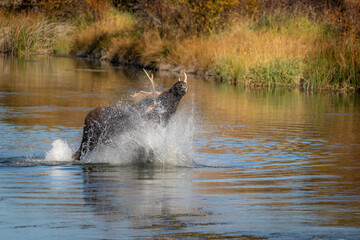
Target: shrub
346, 18
73, 8
184, 17
92, 9
148, 50
98, 36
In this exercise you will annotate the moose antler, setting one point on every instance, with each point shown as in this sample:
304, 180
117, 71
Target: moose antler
185, 77
137, 97
151, 80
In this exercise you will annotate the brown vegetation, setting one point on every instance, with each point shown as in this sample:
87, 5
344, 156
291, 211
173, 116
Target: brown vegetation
24, 34
311, 43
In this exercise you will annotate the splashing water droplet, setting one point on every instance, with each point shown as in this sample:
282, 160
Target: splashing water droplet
59, 152
170, 145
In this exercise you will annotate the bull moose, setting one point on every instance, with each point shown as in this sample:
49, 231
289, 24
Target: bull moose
103, 123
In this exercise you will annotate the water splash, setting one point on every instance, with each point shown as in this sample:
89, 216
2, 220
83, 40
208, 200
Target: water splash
60, 152
159, 145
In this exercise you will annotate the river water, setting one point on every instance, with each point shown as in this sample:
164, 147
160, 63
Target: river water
233, 162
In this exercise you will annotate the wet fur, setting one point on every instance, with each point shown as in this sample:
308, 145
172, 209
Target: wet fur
102, 123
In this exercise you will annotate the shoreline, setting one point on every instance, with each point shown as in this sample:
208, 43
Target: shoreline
209, 76
290, 49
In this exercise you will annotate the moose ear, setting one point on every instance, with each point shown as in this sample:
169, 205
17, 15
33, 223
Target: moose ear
139, 96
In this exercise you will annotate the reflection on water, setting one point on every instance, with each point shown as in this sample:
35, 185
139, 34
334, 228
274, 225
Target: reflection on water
277, 163
137, 193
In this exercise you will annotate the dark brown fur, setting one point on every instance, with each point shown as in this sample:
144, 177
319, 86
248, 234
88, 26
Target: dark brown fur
102, 123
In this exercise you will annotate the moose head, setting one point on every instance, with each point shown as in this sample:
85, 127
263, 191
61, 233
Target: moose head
179, 88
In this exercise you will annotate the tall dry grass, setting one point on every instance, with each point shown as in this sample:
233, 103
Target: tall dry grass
310, 43
255, 43
335, 64
274, 50
24, 34
267, 52
95, 39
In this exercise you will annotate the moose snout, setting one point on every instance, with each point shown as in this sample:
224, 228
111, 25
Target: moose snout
183, 91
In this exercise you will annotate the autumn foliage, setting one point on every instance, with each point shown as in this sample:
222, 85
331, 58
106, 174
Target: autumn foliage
189, 17
311, 43
61, 8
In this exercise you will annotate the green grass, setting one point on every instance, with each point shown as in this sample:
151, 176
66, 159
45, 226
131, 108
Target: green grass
293, 25
62, 46
230, 69
335, 65
278, 72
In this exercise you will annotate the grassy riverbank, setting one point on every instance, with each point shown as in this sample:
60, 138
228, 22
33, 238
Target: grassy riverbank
276, 47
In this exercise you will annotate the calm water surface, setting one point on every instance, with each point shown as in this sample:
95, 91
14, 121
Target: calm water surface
278, 164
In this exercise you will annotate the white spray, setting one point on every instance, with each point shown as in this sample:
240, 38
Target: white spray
151, 144
60, 152
161, 145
